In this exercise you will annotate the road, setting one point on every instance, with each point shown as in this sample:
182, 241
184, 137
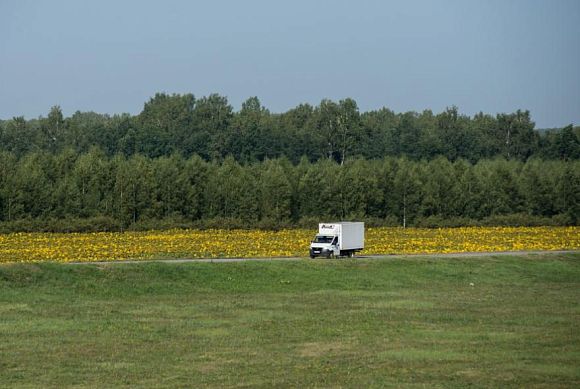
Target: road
386, 256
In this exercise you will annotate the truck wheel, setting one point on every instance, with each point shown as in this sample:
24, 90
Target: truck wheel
351, 254
312, 257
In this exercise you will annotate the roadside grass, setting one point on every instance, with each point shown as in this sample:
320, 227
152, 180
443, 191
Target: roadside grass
503, 321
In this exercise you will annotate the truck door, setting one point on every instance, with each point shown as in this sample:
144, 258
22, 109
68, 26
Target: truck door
334, 246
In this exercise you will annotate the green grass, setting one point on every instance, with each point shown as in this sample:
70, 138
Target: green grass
364, 323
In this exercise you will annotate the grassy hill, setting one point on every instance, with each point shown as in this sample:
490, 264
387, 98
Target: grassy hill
489, 322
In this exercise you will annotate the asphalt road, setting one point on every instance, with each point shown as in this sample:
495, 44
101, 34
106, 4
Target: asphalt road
397, 256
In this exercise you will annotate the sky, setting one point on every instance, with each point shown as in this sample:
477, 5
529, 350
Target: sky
112, 56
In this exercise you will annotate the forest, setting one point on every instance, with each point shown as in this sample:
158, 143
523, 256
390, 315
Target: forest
187, 162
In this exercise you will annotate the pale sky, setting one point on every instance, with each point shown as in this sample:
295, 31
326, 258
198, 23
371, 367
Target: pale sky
112, 56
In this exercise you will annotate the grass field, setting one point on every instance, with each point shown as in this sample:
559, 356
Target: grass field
502, 321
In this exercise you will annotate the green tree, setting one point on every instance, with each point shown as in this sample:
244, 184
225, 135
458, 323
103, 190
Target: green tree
133, 188
537, 188
327, 127
249, 141
165, 124
440, 195
517, 129
489, 141
360, 195
408, 135
567, 144
295, 135
17, 136
7, 176
470, 191
53, 130
32, 187
275, 191
568, 192
456, 139
85, 129
64, 200
169, 186
407, 192
378, 138
212, 116
318, 190
502, 193
387, 171
348, 128
338, 128
90, 177
232, 191
195, 175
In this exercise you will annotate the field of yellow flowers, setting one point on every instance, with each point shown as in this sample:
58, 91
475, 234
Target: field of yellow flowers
110, 246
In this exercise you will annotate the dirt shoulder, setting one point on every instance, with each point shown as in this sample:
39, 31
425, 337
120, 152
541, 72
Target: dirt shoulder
376, 256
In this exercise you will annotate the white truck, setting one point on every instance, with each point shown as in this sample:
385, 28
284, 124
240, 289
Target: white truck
338, 239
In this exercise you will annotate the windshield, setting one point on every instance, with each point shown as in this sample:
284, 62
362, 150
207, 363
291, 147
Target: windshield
322, 239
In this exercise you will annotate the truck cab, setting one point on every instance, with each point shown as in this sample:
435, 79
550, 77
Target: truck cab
324, 245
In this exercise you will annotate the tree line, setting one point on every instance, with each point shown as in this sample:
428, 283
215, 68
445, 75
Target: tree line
116, 192
210, 128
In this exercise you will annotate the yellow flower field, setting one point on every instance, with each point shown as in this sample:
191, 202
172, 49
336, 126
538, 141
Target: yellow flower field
106, 246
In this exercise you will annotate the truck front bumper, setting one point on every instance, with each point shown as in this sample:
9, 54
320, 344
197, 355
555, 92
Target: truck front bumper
319, 252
